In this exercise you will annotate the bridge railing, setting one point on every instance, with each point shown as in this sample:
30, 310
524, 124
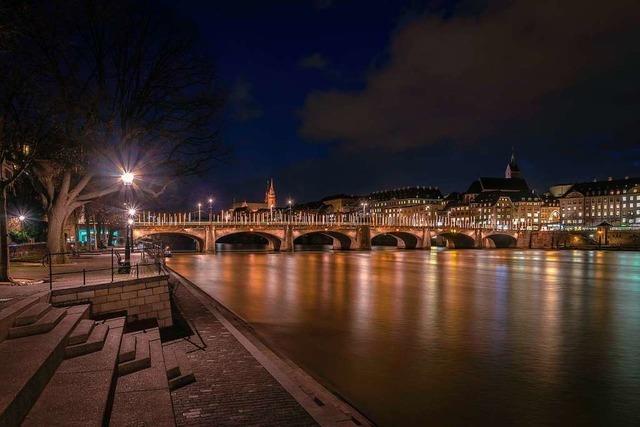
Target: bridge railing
332, 220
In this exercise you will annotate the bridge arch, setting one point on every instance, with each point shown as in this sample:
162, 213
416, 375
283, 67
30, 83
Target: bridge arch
339, 240
455, 240
274, 243
404, 240
500, 240
199, 241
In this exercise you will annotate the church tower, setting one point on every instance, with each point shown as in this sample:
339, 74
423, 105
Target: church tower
270, 195
512, 171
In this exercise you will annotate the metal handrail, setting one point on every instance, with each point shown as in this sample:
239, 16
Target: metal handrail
158, 261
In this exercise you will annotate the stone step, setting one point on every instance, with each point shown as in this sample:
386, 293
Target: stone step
32, 314
127, 348
9, 313
81, 333
142, 359
143, 398
186, 373
29, 362
44, 324
171, 363
95, 342
80, 392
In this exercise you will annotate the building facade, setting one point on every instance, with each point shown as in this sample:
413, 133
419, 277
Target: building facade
588, 204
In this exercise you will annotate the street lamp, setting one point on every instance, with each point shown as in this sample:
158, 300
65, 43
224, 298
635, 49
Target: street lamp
22, 218
290, 203
210, 209
127, 178
199, 211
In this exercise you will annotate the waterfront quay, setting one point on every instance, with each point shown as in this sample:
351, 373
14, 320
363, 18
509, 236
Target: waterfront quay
152, 350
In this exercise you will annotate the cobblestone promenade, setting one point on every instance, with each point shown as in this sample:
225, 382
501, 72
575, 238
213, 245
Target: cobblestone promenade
231, 388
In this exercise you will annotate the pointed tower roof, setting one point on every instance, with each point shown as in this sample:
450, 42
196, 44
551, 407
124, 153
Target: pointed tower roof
512, 171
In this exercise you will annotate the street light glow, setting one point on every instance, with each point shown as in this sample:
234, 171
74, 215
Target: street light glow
127, 178
130, 221
22, 218
210, 200
132, 211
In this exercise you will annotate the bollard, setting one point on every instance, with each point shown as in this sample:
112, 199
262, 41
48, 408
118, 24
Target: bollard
84, 277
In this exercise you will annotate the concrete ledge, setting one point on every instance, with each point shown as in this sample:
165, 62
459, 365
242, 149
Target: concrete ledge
121, 284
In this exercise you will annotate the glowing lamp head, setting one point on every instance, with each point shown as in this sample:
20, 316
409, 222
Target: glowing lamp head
132, 211
22, 218
127, 178
130, 221
290, 202
199, 205
210, 200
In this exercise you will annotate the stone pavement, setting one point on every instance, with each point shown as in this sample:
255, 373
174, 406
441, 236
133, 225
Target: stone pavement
232, 388
69, 274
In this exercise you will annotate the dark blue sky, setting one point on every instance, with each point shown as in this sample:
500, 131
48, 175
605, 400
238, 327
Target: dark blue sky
357, 96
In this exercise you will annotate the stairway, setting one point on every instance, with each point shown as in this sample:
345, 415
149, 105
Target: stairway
81, 390
178, 369
142, 395
61, 368
32, 348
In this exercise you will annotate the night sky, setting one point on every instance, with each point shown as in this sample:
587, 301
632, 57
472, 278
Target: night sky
356, 96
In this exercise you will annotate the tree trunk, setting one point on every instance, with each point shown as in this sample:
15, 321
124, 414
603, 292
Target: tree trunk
55, 237
4, 237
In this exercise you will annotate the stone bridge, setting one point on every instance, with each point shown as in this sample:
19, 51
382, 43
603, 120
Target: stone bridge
281, 237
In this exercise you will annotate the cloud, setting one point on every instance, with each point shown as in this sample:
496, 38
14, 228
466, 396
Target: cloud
243, 105
314, 61
322, 4
469, 78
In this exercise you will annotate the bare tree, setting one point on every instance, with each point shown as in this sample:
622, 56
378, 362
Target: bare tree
130, 90
24, 123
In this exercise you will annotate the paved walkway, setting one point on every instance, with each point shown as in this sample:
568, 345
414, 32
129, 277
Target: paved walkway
70, 274
231, 388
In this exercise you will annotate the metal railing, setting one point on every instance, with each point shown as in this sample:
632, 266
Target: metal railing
150, 263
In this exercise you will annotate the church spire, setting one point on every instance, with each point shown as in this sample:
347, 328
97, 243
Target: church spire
512, 171
270, 194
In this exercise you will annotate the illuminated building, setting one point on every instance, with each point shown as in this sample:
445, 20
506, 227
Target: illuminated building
588, 204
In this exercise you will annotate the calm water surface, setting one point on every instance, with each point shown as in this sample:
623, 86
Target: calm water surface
449, 337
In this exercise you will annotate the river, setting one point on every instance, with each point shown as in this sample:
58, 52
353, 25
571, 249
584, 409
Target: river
448, 337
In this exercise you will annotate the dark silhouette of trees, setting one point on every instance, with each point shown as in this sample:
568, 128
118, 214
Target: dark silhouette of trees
127, 88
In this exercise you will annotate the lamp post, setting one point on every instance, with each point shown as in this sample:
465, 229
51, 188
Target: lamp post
127, 179
290, 203
199, 211
211, 200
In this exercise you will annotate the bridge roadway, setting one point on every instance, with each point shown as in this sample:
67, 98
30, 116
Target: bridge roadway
345, 235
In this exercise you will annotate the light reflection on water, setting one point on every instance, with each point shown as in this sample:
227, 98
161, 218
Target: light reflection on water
449, 337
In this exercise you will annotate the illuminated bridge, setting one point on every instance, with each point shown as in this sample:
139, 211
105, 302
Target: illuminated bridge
347, 232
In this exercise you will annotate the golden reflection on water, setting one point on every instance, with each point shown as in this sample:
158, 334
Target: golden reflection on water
449, 337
